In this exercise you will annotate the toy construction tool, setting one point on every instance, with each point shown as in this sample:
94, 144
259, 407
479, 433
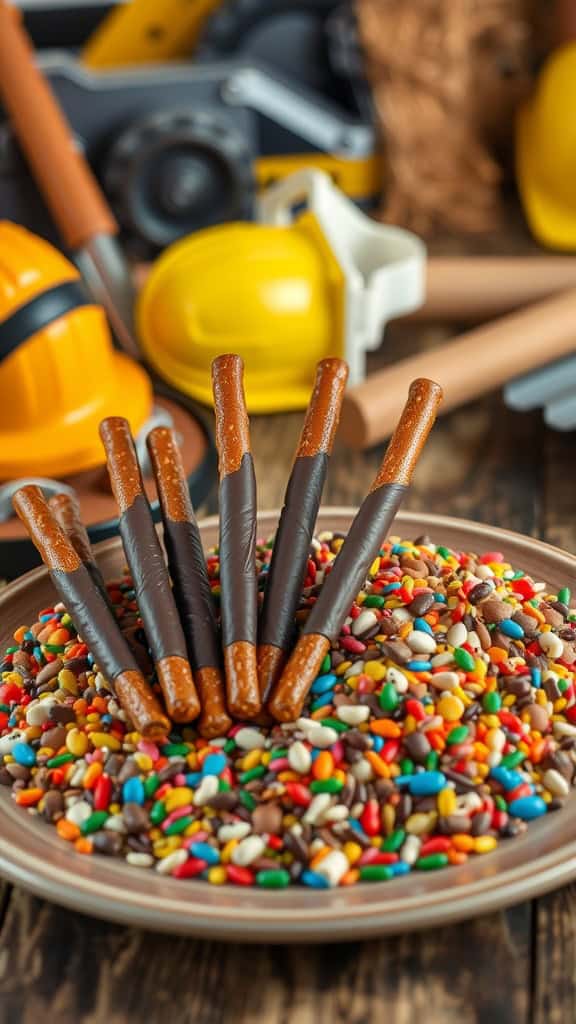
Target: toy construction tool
67, 184
147, 32
283, 293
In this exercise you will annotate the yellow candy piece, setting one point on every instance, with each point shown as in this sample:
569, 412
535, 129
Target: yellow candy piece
163, 847
144, 761
76, 742
485, 844
251, 760
67, 681
352, 852
446, 802
217, 875
451, 708
180, 796
104, 739
228, 850
375, 669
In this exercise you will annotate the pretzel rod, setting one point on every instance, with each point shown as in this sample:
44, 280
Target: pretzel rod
297, 520
90, 613
187, 567
237, 499
66, 512
151, 582
350, 568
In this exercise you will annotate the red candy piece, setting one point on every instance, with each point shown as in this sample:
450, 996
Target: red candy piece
439, 844
10, 694
102, 793
370, 818
298, 794
239, 875
416, 709
191, 867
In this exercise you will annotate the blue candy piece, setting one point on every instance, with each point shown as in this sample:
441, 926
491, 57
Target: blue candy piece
439, 598
23, 754
390, 587
399, 549
423, 626
323, 683
314, 880
527, 807
377, 743
205, 852
507, 778
214, 764
536, 674
402, 780
193, 778
426, 783
322, 700
133, 791
511, 629
46, 618
400, 868
419, 666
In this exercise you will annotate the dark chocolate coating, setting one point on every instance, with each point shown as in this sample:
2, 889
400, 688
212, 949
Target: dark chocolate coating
239, 595
192, 591
351, 565
151, 582
94, 621
291, 548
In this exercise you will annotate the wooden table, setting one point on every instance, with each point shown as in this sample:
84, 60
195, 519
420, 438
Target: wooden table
483, 463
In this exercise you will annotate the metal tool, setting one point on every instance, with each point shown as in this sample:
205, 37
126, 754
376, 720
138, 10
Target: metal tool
70, 190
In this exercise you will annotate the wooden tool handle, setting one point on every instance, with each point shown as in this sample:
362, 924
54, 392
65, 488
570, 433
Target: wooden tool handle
467, 367
67, 183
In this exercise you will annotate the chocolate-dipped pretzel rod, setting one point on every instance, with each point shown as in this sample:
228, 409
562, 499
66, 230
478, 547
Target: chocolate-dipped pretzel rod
350, 568
66, 512
237, 500
301, 503
187, 566
90, 613
151, 581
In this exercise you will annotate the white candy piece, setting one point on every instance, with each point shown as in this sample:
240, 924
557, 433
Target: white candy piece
362, 771
355, 670
397, 678
322, 736
248, 850
249, 739
446, 658
410, 849
238, 830
456, 635
299, 758
173, 860
555, 782
206, 790
140, 860
316, 808
353, 714
444, 680
421, 642
8, 741
365, 621
38, 712
333, 866
337, 813
551, 644
79, 812
115, 823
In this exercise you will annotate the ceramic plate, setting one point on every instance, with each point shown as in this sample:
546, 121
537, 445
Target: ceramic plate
32, 855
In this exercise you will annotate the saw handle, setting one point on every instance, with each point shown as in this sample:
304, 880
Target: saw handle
68, 186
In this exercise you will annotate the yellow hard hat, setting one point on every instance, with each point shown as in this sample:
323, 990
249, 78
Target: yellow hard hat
59, 373
271, 293
546, 152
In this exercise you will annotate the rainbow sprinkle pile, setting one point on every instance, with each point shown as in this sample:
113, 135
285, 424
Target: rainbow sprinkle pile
443, 721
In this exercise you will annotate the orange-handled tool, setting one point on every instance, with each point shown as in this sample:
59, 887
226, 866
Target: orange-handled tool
68, 186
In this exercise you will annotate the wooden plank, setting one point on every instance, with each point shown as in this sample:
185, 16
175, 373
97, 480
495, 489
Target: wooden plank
554, 985
72, 970
5, 893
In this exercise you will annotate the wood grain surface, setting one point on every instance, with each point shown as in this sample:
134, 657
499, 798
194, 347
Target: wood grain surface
519, 967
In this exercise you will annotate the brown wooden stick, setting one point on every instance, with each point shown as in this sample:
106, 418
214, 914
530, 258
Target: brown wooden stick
301, 502
237, 499
90, 613
151, 581
350, 568
187, 567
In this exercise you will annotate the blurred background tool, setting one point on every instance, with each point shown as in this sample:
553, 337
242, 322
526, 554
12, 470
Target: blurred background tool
71, 192
147, 32
59, 376
314, 278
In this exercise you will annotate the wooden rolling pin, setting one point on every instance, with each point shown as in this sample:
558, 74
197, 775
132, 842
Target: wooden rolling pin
472, 288
466, 367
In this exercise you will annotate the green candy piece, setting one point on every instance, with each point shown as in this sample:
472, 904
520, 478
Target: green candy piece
273, 878
223, 786
500, 803
334, 723
253, 773
406, 766
277, 754
457, 735
325, 666
247, 800
12, 650
158, 813
4, 707
431, 762
376, 873
55, 762
393, 842
173, 749
432, 862
151, 785
562, 685
388, 697
229, 746
94, 822
464, 659
564, 595
180, 825
374, 601
492, 702
443, 552
326, 786
513, 760
54, 648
